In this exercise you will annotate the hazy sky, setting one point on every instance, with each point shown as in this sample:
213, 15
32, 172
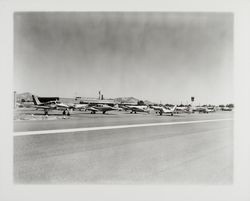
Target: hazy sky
165, 57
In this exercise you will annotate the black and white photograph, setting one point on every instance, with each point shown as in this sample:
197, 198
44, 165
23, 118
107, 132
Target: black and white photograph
123, 98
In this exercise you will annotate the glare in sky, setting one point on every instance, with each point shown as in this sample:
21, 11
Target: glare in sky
155, 56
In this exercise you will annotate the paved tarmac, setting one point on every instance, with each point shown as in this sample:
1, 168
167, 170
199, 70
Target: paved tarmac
35, 120
195, 153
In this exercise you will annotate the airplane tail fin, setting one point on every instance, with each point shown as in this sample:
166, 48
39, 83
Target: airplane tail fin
116, 107
36, 100
174, 108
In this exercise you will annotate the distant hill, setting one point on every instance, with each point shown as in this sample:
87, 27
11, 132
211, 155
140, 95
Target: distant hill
147, 102
132, 100
27, 96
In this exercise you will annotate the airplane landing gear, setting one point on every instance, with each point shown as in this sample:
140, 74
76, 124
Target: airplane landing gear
103, 112
45, 112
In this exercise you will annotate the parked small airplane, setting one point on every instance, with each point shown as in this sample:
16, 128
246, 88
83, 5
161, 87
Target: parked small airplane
203, 109
102, 108
226, 109
138, 108
165, 110
210, 109
80, 106
50, 105
124, 106
182, 109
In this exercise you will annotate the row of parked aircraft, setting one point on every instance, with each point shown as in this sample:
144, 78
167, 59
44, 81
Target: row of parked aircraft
102, 106
57, 105
98, 107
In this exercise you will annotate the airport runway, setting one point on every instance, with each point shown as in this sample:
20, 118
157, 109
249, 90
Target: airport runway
193, 153
113, 118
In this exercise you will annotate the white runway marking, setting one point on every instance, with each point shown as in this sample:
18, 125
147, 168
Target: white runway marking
70, 130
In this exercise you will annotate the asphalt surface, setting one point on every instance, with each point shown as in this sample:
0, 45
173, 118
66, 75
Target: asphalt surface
197, 153
35, 120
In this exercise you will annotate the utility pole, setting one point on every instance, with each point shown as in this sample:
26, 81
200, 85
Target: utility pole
99, 93
192, 103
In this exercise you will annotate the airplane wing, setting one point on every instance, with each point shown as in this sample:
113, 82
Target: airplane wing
42, 107
169, 109
135, 108
91, 109
157, 108
131, 108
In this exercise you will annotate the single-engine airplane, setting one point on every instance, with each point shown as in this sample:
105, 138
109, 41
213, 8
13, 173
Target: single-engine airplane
102, 108
165, 110
138, 108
